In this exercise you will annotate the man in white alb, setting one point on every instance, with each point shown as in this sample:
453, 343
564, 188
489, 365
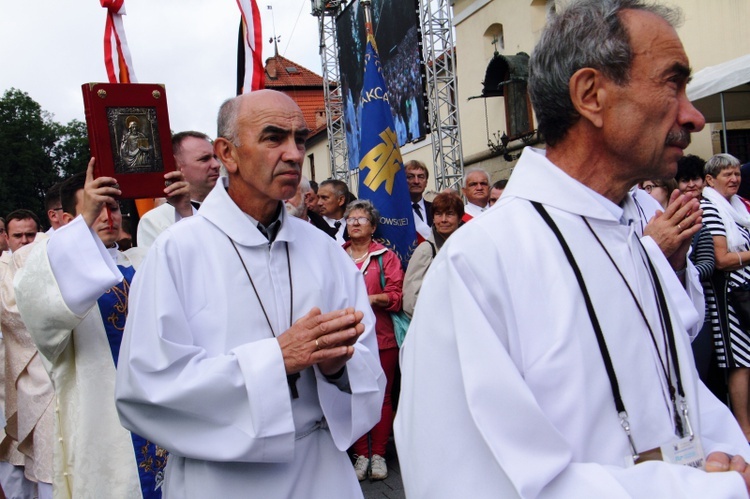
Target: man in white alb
250, 352
551, 338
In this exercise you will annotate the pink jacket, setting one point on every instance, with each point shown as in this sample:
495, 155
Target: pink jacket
394, 280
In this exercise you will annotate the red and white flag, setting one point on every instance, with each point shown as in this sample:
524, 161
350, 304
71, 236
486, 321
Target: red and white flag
116, 44
252, 36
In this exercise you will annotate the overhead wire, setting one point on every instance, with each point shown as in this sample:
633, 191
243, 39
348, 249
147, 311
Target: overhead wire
291, 35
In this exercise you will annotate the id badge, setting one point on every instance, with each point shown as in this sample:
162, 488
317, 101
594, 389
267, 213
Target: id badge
685, 452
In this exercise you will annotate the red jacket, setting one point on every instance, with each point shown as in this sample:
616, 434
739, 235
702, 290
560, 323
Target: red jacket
394, 281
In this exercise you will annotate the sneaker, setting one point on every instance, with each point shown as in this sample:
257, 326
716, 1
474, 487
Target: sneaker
379, 470
360, 467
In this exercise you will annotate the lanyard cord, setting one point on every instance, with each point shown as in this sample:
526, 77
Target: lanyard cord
614, 385
257, 295
666, 327
668, 324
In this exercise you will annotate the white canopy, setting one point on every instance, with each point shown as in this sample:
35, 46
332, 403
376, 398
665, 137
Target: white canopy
731, 80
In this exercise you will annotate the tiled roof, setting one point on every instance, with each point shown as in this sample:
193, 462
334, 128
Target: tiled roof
281, 72
302, 85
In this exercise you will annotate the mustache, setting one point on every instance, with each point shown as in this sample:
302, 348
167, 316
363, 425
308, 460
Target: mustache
679, 138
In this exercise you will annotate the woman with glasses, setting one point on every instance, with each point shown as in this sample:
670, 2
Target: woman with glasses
447, 209
659, 189
377, 264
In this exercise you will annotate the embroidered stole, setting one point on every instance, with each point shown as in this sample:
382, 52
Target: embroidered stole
151, 459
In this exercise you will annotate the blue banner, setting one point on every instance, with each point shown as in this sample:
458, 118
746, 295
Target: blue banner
382, 178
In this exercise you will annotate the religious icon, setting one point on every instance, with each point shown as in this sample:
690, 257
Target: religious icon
134, 146
129, 135
132, 131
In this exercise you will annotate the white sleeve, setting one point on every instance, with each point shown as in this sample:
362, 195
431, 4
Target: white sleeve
82, 266
688, 299
351, 414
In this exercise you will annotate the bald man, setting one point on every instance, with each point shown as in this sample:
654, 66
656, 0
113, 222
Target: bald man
249, 352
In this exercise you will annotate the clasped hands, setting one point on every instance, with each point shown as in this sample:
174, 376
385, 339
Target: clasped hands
674, 228
323, 339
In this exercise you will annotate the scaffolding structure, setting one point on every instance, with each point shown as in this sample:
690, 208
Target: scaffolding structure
440, 66
442, 90
326, 12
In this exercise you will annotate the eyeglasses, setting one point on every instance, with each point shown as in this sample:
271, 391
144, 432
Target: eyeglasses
411, 176
357, 221
650, 187
57, 209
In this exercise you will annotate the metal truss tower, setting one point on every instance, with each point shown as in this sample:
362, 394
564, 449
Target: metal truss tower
442, 91
326, 12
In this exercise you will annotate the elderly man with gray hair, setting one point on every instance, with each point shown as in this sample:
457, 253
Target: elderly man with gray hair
551, 337
476, 189
298, 206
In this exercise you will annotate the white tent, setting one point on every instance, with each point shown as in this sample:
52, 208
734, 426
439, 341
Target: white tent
730, 79
722, 92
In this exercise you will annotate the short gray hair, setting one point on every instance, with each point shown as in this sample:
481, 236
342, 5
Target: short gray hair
586, 34
227, 122
363, 204
473, 169
304, 185
719, 162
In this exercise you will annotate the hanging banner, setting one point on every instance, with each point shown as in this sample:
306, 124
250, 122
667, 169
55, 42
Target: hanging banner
382, 179
250, 58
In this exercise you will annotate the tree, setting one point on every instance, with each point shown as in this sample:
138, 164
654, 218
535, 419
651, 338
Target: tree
35, 152
71, 153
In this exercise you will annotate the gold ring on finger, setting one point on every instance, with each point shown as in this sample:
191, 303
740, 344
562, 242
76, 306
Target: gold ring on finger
317, 345
679, 227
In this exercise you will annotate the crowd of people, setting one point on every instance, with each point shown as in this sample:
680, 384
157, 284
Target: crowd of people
64, 320
722, 346
250, 343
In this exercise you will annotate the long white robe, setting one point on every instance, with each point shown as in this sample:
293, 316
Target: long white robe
56, 292
29, 408
504, 389
154, 222
201, 374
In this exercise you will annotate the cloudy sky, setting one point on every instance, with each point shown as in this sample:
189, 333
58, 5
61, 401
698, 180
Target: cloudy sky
48, 48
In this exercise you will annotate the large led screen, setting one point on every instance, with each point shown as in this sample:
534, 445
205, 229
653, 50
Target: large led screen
398, 37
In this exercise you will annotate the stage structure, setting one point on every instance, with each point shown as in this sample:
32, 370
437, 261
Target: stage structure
326, 12
439, 118
442, 92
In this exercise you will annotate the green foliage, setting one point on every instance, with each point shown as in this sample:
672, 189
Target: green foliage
71, 152
35, 152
